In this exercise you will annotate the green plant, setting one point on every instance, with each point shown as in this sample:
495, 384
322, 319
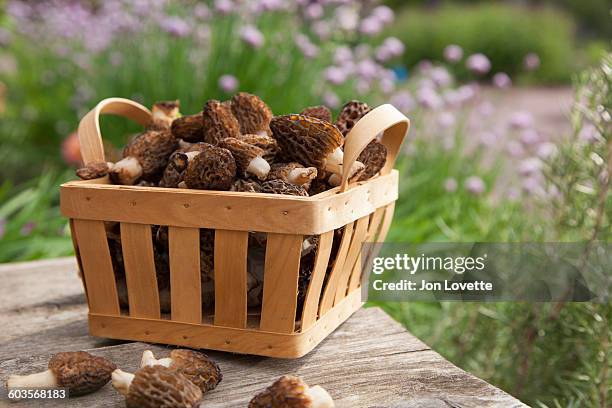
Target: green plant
503, 33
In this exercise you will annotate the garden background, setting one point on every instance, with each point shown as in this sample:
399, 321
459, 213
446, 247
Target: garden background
483, 161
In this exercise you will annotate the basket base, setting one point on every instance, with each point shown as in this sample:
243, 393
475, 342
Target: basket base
206, 336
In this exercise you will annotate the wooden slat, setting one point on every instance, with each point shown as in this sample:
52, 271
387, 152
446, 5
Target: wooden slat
361, 228
228, 210
137, 246
185, 284
97, 267
386, 223
329, 293
313, 294
281, 273
75, 245
373, 227
231, 278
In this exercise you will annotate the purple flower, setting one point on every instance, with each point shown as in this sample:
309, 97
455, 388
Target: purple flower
488, 138
521, 120
363, 86
383, 14
390, 48
224, 6
322, 29
228, 83
367, 69
530, 137
403, 101
2, 227
347, 18
446, 119
370, 26
424, 66
342, 55
485, 108
331, 99
334, 75
27, 228
589, 134
308, 49
387, 85
502, 80
252, 36
475, 185
478, 64
515, 149
428, 98
271, 5
529, 166
531, 61
175, 26
450, 185
533, 186
314, 11
201, 11
440, 76
453, 53
545, 150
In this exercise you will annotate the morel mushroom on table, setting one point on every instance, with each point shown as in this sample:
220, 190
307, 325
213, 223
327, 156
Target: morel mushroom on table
290, 391
78, 371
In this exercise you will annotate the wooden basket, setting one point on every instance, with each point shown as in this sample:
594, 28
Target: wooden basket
362, 211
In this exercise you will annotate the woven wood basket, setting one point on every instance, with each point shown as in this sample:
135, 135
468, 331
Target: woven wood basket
343, 218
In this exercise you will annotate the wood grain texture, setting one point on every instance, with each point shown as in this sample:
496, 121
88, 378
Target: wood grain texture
329, 293
231, 278
97, 266
279, 305
380, 370
313, 294
361, 228
228, 210
137, 246
185, 282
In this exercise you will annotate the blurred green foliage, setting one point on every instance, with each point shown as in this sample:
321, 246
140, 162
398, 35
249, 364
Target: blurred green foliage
505, 34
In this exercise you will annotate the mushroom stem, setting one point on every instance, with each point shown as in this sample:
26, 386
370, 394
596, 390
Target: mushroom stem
302, 175
335, 158
148, 359
122, 380
126, 171
320, 397
259, 167
262, 132
336, 178
45, 379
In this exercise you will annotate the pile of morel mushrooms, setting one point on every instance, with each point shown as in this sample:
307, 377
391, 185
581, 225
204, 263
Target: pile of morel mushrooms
235, 145
178, 381
238, 145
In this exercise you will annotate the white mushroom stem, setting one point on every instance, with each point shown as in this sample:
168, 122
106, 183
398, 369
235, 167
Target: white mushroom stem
262, 132
148, 359
121, 381
182, 184
127, 170
191, 155
336, 178
184, 145
320, 397
301, 175
45, 379
259, 167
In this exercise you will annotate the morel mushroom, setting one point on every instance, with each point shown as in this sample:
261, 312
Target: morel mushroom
374, 157
252, 113
173, 174
293, 173
218, 122
351, 112
189, 128
213, 169
246, 186
78, 371
282, 187
164, 113
308, 140
156, 386
268, 144
290, 391
248, 157
94, 170
197, 367
145, 156
319, 112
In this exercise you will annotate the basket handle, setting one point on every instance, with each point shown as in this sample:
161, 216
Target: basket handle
385, 118
90, 138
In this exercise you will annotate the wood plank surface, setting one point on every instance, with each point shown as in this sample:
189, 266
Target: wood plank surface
370, 361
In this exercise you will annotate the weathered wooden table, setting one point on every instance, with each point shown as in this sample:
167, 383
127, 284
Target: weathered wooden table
370, 361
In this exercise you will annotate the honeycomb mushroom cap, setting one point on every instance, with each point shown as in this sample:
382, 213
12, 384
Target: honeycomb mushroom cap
80, 371
252, 113
351, 112
212, 169
218, 122
246, 186
268, 144
318, 185
294, 173
291, 392
152, 150
374, 157
189, 128
93, 170
159, 386
249, 158
164, 112
173, 174
197, 367
305, 139
319, 112
282, 187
